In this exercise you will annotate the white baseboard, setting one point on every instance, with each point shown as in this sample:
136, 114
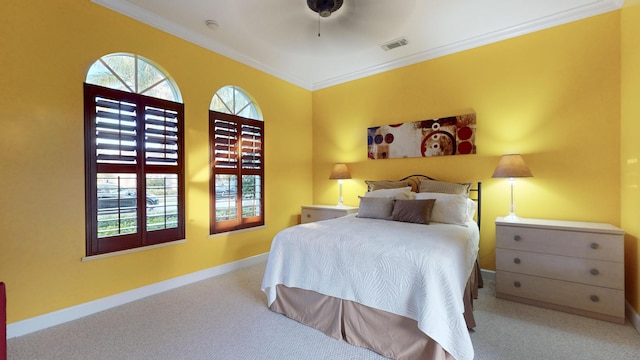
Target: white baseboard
633, 316
78, 311
488, 274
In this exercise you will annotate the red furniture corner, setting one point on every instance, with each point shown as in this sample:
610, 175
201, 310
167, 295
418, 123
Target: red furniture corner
3, 322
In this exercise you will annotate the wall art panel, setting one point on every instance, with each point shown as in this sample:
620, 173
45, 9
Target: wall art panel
454, 135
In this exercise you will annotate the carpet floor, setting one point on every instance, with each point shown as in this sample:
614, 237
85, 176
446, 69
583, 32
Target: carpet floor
226, 318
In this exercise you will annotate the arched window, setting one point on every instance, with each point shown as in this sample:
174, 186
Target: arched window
236, 141
134, 74
134, 128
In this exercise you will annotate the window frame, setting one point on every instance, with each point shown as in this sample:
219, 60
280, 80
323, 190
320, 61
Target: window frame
142, 237
239, 222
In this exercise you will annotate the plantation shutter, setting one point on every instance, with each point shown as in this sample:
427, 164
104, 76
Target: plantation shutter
138, 138
161, 136
225, 144
237, 155
116, 131
252, 145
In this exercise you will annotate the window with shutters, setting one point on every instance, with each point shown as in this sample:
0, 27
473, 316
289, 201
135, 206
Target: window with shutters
134, 155
236, 138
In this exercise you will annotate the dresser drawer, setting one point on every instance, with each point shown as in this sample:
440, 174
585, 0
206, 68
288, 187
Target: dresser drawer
572, 295
585, 271
580, 244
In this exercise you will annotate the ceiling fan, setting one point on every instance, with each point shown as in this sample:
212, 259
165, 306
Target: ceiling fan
324, 7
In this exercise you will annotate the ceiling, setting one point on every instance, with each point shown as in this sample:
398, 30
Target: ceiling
280, 37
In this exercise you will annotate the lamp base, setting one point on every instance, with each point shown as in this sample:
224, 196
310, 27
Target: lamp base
340, 204
511, 218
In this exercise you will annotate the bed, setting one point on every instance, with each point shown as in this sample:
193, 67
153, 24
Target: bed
398, 281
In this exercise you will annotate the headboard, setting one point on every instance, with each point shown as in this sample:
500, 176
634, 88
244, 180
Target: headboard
475, 192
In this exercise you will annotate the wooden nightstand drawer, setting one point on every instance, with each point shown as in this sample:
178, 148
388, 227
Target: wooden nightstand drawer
574, 243
585, 271
565, 295
324, 212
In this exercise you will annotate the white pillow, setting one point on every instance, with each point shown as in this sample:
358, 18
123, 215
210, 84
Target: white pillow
449, 208
398, 193
472, 206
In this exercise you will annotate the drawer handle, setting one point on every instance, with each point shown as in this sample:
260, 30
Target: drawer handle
516, 260
594, 272
308, 215
517, 238
594, 246
594, 298
517, 284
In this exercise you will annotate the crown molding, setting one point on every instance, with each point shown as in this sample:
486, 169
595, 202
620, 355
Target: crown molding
137, 13
597, 7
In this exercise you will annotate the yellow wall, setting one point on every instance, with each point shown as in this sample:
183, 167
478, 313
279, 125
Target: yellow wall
630, 150
553, 96
47, 48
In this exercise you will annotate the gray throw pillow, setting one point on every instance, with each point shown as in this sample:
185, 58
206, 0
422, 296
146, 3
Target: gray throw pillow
375, 208
413, 211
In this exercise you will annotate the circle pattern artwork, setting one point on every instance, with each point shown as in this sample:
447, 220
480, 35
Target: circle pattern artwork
454, 135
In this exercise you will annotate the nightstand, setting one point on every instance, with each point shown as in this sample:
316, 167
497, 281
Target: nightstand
576, 267
313, 213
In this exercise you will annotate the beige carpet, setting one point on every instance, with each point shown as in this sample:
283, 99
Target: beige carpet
226, 318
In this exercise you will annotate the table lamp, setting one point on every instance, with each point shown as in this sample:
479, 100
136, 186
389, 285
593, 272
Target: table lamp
340, 172
511, 166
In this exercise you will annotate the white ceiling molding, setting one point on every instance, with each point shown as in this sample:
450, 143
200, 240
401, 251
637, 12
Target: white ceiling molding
583, 12
146, 17
311, 57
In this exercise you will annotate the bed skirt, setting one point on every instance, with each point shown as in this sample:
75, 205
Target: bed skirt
388, 334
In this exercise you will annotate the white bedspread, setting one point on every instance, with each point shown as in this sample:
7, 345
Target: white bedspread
417, 271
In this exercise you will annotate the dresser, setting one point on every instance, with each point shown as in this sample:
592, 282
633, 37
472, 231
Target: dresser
313, 213
576, 267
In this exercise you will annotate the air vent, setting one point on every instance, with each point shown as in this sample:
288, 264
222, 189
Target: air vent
394, 44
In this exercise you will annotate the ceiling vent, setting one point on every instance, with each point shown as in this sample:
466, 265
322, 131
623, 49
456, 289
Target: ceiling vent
394, 44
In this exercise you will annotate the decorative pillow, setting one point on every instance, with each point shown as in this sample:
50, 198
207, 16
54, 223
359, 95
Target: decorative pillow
413, 211
375, 208
434, 186
398, 193
377, 185
448, 208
